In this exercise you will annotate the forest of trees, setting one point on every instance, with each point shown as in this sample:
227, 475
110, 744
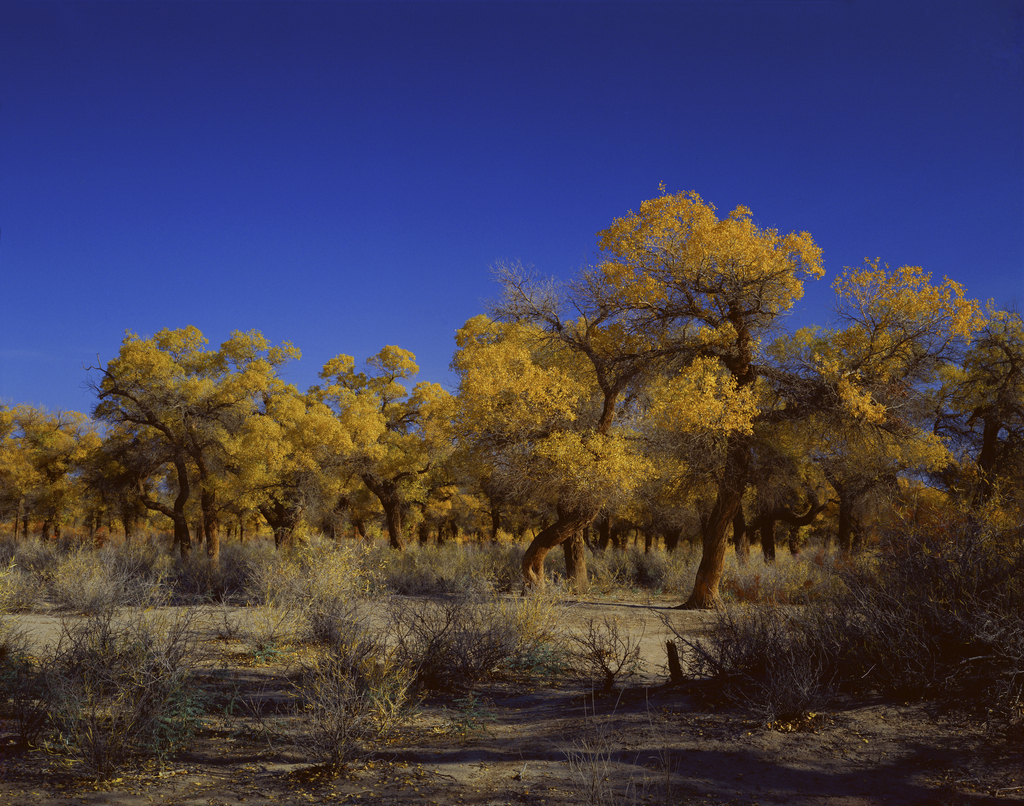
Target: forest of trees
657, 392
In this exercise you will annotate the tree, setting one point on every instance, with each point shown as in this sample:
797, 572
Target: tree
538, 403
708, 290
984, 408
40, 458
183, 401
877, 378
396, 435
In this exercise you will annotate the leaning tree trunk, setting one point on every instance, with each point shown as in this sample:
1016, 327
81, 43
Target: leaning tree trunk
716, 531
568, 524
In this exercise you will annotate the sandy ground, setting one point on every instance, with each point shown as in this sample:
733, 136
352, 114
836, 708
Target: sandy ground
531, 743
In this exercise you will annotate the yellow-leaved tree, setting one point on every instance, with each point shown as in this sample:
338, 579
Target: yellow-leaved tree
706, 291
182, 401
543, 403
876, 380
41, 454
396, 435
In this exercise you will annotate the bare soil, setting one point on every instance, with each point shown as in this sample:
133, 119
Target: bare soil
522, 742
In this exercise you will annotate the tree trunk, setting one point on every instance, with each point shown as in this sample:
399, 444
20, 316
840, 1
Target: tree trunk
795, 542
741, 537
715, 538
211, 525
767, 530
390, 499
495, 523
845, 534
576, 562
604, 533
282, 517
672, 537
566, 526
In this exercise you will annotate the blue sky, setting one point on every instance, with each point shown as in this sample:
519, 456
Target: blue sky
342, 175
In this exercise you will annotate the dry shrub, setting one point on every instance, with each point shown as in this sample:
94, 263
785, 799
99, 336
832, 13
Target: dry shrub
22, 697
117, 687
941, 615
19, 589
453, 643
90, 582
354, 692
763, 656
604, 654
453, 568
938, 614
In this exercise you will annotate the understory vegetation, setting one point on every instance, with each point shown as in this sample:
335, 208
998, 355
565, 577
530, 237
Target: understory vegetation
931, 612
935, 613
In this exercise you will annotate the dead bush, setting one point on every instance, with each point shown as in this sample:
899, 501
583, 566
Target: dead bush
354, 692
604, 654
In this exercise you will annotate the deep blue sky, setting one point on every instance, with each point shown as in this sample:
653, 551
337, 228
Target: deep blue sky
342, 175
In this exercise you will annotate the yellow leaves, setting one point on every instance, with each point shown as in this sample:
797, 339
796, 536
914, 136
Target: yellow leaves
593, 466
906, 301
504, 388
859, 402
702, 398
676, 250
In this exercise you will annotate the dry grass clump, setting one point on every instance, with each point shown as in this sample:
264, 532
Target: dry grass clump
454, 642
91, 582
452, 568
20, 590
791, 579
354, 693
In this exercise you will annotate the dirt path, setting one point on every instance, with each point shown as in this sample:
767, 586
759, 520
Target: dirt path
537, 744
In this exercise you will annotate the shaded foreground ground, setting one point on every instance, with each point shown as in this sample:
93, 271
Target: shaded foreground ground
539, 744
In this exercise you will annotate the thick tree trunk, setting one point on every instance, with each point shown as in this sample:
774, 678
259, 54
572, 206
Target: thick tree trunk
715, 538
390, 499
987, 458
282, 517
566, 526
576, 562
672, 538
495, 523
604, 533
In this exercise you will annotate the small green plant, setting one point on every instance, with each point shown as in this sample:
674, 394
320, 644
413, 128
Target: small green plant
468, 718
